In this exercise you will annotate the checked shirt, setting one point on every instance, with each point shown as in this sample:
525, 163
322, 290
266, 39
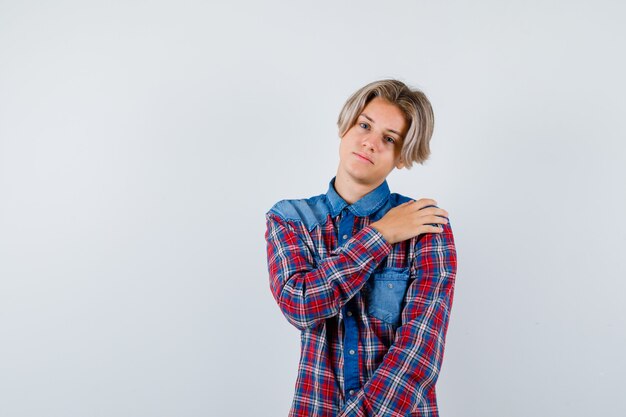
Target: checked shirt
372, 316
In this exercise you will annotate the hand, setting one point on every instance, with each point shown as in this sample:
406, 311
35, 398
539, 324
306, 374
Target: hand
410, 219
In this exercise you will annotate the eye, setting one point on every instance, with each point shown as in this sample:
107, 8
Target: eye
363, 125
392, 139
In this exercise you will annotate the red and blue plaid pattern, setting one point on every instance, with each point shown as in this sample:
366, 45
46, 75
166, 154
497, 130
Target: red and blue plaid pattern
355, 361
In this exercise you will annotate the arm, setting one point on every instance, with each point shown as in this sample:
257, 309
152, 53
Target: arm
412, 364
307, 293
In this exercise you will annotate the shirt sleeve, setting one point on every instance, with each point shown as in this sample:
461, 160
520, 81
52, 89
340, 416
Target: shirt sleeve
309, 291
411, 365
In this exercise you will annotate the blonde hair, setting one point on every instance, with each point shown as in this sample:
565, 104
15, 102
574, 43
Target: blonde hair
412, 102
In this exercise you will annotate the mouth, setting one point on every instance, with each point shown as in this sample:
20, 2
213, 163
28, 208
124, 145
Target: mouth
363, 157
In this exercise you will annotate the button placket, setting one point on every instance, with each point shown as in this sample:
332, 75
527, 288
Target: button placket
351, 336
346, 223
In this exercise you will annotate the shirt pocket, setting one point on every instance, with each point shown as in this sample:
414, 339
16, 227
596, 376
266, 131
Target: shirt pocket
385, 291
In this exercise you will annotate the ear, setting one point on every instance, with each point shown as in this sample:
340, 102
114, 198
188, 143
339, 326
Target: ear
400, 164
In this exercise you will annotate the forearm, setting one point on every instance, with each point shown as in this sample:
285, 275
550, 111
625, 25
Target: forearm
308, 291
409, 369
411, 366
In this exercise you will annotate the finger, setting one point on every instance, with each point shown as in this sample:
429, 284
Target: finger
430, 229
442, 214
428, 201
430, 211
434, 221
434, 211
437, 219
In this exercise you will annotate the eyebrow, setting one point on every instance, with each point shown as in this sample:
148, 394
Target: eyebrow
372, 120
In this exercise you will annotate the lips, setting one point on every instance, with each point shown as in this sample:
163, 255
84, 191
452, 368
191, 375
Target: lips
363, 157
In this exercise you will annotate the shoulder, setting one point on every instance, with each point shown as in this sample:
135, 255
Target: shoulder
308, 211
397, 199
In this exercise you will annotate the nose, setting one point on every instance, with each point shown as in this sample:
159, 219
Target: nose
369, 141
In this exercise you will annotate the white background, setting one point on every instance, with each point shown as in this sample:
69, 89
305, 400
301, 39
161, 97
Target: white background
142, 142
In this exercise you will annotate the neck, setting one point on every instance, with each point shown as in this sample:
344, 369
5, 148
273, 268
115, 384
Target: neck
351, 190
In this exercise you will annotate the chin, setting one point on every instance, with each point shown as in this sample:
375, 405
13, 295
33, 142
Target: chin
360, 176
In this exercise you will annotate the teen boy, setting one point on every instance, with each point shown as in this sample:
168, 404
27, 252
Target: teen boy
366, 275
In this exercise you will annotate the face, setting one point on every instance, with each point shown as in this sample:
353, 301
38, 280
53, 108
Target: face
370, 149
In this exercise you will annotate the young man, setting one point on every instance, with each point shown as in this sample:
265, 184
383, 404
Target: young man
366, 275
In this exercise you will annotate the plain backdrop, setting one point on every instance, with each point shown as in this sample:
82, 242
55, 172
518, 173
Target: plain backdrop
142, 142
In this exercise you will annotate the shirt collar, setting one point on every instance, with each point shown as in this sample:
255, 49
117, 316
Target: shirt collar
365, 206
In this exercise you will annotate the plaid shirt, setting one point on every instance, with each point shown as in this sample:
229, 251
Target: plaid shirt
373, 316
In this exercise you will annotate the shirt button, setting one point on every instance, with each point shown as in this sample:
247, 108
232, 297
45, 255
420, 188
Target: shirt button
390, 285
351, 392
345, 236
349, 313
351, 351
